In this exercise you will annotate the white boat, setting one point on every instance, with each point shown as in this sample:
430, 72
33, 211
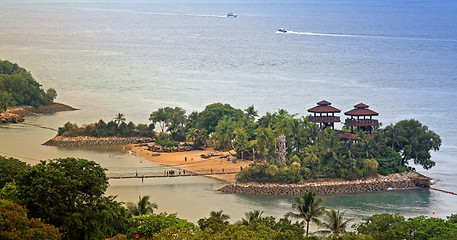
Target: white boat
232, 15
282, 30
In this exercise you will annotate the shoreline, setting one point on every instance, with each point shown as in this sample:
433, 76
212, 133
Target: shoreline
332, 186
217, 163
18, 114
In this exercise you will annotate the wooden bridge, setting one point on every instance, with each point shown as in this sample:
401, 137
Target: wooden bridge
190, 174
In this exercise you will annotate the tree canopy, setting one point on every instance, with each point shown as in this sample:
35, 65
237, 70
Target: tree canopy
15, 225
69, 193
17, 87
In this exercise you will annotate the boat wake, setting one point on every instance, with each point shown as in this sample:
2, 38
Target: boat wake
155, 13
366, 36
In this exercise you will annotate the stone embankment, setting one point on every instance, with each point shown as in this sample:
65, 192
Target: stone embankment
17, 114
378, 183
60, 141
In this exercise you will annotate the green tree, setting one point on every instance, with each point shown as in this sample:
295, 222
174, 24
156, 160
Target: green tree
14, 224
213, 113
143, 207
414, 141
119, 118
334, 223
147, 227
251, 216
308, 208
382, 226
9, 169
217, 221
68, 193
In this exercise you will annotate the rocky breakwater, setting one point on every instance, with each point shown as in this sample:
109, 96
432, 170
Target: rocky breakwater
17, 114
60, 141
8, 117
378, 183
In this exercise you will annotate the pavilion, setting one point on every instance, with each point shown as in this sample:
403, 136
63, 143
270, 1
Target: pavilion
324, 114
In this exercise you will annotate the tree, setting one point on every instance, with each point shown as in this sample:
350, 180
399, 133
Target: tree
309, 208
143, 207
334, 223
209, 118
251, 216
147, 227
382, 226
68, 193
119, 118
14, 224
217, 221
9, 169
414, 141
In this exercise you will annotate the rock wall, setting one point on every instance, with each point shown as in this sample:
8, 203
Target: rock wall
379, 183
93, 141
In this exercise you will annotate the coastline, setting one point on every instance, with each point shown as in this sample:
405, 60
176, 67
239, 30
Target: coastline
195, 163
17, 114
331, 186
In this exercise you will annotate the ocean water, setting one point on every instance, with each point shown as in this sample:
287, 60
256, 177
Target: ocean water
110, 56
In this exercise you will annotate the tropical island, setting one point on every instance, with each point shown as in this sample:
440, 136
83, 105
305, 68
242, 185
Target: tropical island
21, 95
310, 151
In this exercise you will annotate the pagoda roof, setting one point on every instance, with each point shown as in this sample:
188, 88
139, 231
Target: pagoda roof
324, 107
361, 109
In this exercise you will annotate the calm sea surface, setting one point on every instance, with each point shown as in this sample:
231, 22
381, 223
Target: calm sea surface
105, 57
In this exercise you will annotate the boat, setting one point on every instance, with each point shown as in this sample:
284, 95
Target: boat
232, 15
282, 30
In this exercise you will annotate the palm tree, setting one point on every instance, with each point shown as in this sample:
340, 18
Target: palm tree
308, 208
251, 216
219, 215
119, 118
335, 223
143, 207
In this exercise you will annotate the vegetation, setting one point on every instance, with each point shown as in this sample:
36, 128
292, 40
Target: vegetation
114, 128
143, 207
310, 151
17, 87
308, 208
68, 193
15, 225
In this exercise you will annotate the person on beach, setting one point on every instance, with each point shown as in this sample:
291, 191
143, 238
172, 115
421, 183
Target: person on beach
136, 173
185, 159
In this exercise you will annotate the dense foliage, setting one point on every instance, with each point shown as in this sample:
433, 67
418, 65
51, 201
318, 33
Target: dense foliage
69, 193
14, 224
9, 168
310, 150
17, 87
114, 128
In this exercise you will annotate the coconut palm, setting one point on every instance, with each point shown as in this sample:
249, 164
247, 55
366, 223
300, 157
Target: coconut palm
251, 216
143, 207
219, 215
334, 223
119, 118
309, 208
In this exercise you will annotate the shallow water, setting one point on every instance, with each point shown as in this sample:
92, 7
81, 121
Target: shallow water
106, 57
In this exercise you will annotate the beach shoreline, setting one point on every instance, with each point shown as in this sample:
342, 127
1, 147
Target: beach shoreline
193, 161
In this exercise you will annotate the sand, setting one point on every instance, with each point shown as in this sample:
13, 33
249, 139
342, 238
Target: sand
195, 163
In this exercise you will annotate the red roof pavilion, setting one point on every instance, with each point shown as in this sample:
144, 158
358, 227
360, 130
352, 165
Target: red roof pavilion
362, 118
324, 114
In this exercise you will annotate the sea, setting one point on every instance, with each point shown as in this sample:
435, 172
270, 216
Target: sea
111, 56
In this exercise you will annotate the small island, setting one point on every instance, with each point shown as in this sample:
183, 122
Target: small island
278, 153
21, 95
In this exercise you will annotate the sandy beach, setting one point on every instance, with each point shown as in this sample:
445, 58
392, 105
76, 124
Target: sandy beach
195, 163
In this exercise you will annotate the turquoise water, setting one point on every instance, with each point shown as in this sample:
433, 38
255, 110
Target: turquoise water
109, 56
